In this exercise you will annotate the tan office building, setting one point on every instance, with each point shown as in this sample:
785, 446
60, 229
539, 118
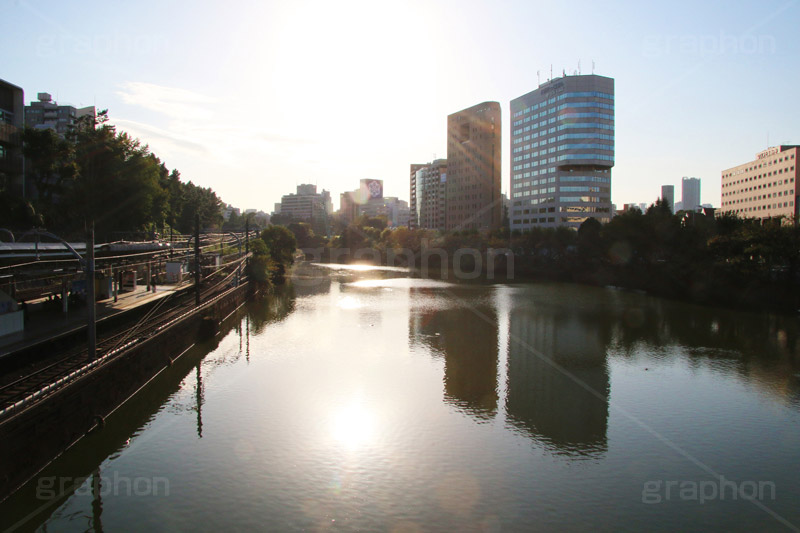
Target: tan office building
472, 191
765, 188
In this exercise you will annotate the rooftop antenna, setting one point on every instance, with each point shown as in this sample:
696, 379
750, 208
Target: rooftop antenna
592, 66
551, 71
538, 78
579, 67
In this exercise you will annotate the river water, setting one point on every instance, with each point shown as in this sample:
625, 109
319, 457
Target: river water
364, 399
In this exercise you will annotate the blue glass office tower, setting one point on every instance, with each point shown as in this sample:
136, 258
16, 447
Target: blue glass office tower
562, 151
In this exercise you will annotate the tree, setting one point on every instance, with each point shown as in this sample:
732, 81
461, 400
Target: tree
281, 244
303, 234
261, 265
117, 185
52, 163
366, 221
96, 174
202, 201
590, 244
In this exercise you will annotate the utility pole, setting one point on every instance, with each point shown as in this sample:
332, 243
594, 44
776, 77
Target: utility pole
90, 296
197, 259
246, 241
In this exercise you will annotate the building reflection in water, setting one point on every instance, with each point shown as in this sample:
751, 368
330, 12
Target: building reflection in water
466, 338
558, 382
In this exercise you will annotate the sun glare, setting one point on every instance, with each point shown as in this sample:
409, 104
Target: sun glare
353, 426
349, 302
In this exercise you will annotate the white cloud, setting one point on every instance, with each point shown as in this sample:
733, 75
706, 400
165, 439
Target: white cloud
152, 135
170, 101
201, 137
193, 119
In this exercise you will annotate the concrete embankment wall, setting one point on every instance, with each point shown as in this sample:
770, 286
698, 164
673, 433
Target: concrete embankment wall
33, 437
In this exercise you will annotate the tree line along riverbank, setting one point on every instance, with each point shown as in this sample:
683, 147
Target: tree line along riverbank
722, 260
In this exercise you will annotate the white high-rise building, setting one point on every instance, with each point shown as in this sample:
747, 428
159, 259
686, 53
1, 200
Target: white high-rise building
562, 151
690, 194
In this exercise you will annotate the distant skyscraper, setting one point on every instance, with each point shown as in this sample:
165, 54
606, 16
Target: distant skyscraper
473, 169
668, 195
428, 183
690, 194
413, 217
562, 151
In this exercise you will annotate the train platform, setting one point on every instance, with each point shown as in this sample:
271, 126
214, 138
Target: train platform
46, 320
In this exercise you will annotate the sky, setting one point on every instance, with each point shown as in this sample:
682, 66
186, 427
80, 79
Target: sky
252, 98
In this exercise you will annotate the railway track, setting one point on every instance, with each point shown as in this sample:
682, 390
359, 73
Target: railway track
43, 381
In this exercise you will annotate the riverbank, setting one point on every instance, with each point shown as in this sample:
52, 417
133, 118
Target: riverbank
725, 260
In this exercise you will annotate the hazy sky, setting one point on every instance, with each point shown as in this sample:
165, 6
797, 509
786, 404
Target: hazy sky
252, 98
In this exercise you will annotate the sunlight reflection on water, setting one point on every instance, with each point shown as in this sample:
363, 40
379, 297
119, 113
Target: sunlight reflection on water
353, 425
402, 283
359, 268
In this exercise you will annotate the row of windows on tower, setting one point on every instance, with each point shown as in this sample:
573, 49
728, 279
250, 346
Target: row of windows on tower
561, 97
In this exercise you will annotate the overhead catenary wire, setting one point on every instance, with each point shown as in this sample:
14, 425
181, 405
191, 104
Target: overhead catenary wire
27, 281
113, 257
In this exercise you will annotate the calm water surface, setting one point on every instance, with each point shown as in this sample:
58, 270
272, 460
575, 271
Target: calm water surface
361, 399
